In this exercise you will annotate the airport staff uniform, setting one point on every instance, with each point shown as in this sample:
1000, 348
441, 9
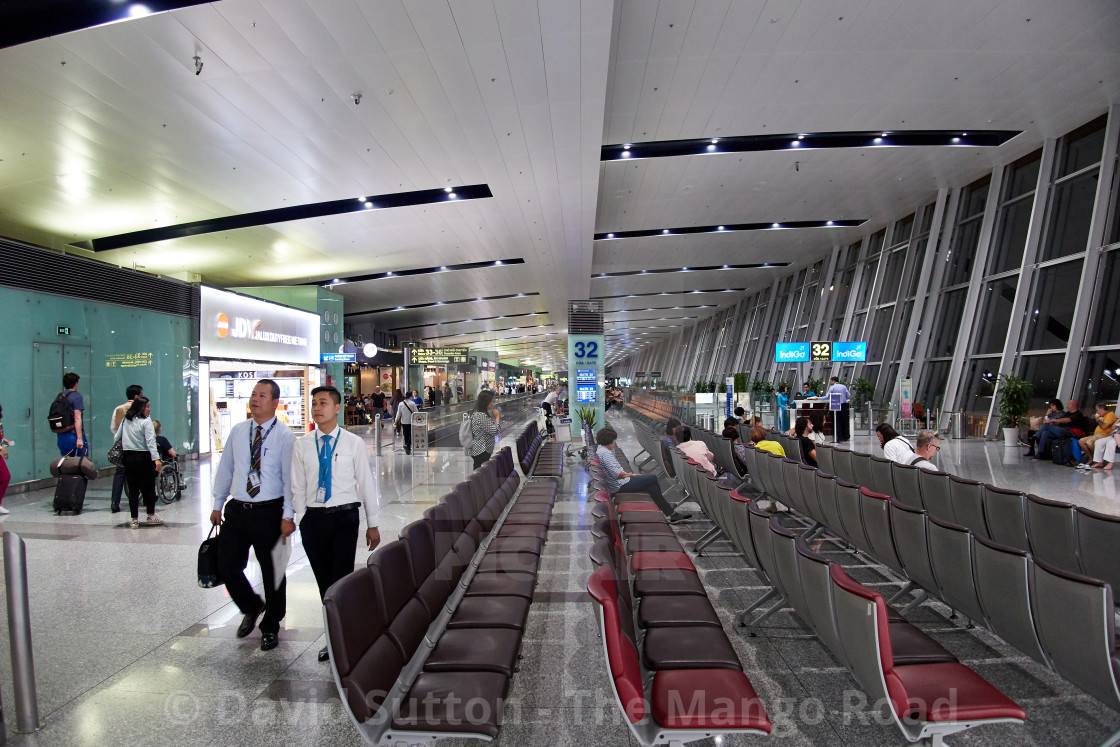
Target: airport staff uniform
255, 474
331, 484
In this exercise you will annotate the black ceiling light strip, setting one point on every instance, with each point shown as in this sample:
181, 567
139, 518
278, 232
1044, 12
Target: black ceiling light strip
658, 308
806, 141
416, 271
671, 293
464, 321
440, 303
731, 227
706, 268
284, 214
22, 22
489, 332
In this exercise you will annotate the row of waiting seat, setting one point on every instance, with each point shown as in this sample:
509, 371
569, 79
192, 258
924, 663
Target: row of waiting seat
675, 676
538, 455
651, 408
926, 691
424, 639
1062, 619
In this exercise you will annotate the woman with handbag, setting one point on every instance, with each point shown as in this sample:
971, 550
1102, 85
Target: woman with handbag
484, 426
5, 474
140, 456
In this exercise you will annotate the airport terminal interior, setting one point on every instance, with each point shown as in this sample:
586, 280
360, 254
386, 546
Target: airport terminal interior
799, 320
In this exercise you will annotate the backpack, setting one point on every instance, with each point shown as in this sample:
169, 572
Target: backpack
60, 416
1061, 451
466, 432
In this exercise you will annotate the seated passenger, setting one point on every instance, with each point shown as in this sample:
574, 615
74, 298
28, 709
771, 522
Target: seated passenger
740, 414
1104, 451
802, 427
895, 447
695, 450
1105, 420
668, 441
731, 423
618, 481
1056, 424
817, 432
929, 443
738, 449
760, 439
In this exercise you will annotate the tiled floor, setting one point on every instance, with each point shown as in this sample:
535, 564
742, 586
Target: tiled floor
129, 651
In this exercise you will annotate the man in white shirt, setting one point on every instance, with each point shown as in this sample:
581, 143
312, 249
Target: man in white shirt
331, 481
929, 443
549, 401
255, 475
843, 423
119, 486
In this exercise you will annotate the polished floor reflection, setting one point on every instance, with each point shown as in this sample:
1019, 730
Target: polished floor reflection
129, 651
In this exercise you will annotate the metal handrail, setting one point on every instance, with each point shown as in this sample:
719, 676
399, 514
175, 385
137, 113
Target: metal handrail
19, 631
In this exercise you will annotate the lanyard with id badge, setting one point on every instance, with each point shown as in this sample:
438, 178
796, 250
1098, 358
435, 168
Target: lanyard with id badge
322, 494
255, 459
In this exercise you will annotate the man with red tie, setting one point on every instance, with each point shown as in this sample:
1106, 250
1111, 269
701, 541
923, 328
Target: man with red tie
255, 475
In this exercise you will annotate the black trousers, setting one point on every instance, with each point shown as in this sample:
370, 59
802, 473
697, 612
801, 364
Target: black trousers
843, 423
481, 459
256, 526
119, 484
547, 407
406, 428
330, 540
140, 471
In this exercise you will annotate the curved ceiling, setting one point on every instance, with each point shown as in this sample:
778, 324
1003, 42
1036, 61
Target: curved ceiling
109, 130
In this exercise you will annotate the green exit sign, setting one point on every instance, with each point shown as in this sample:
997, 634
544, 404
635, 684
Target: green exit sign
63, 330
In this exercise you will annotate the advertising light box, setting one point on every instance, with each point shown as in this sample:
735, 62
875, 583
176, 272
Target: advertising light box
791, 352
243, 328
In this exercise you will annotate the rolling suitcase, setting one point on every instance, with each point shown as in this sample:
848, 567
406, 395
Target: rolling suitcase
70, 494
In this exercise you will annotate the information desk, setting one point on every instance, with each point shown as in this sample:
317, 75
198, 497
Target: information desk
806, 407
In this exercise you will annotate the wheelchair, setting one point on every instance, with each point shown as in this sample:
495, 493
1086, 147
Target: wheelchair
168, 481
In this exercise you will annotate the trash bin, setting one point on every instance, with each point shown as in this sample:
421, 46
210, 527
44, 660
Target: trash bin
956, 425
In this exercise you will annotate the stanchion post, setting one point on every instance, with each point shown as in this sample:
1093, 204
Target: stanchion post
19, 630
377, 430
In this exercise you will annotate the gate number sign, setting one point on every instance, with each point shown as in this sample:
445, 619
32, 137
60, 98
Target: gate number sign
821, 351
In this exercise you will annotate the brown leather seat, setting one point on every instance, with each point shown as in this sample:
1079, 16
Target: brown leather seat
648, 583
490, 612
465, 703
517, 544
523, 530
475, 650
502, 584
696, 647
676, 611
509, 562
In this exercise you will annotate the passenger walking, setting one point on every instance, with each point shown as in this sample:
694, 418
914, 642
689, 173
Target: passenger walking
405, 410
331, 481
141, 460
5, 473
618, 481
255, 476
484, 426
394, 403
66, 417
130, 394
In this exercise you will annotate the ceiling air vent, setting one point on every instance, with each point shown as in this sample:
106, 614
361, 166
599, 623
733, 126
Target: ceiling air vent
585, 317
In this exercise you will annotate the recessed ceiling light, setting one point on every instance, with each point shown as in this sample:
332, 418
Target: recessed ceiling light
452, 195
795, 143
711, 147
720, 228
447, 189
775, 225
883, 134
136, 10
956, 140
368, 205
878, 140
664, 230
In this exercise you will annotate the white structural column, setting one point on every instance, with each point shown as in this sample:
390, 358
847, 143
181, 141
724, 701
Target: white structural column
853, 296
1098, 227
924, 266
933, 298
756, 364
1026, 269
972, 297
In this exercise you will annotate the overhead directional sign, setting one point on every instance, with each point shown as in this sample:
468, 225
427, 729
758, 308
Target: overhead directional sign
437, 356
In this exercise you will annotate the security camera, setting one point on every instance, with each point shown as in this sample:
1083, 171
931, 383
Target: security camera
357, 98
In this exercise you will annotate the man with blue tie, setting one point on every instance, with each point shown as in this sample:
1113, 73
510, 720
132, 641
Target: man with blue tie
255, 475
332, 485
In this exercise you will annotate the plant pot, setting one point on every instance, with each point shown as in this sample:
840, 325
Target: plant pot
1010, 437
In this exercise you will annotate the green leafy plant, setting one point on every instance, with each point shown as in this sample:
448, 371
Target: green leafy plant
817, 386
586, 414
762, 388
703, 387
862, 392
741, 382
1014, 399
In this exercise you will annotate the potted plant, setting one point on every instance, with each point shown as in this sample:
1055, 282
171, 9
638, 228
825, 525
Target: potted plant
862, 392
817, 386
762, 391
586, 414
1014, 400
705, 392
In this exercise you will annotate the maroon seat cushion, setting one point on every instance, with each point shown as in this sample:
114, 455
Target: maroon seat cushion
676, 611
490, 612
667, 582
661, 561
952, 692
652, 543
475, 650
642, 517
631, 506
659, 528
695, 647
465, 703
723, 698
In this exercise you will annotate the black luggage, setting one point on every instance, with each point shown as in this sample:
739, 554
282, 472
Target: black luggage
209, 572
70, 494
1061, 451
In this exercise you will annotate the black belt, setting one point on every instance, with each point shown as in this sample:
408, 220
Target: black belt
336, 509
259, 504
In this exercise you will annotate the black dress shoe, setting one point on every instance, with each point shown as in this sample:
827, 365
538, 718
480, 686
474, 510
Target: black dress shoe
269, 641
115, 508
323, 655
249, 622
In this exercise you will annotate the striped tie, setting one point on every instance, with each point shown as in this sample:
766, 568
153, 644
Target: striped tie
254, 465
